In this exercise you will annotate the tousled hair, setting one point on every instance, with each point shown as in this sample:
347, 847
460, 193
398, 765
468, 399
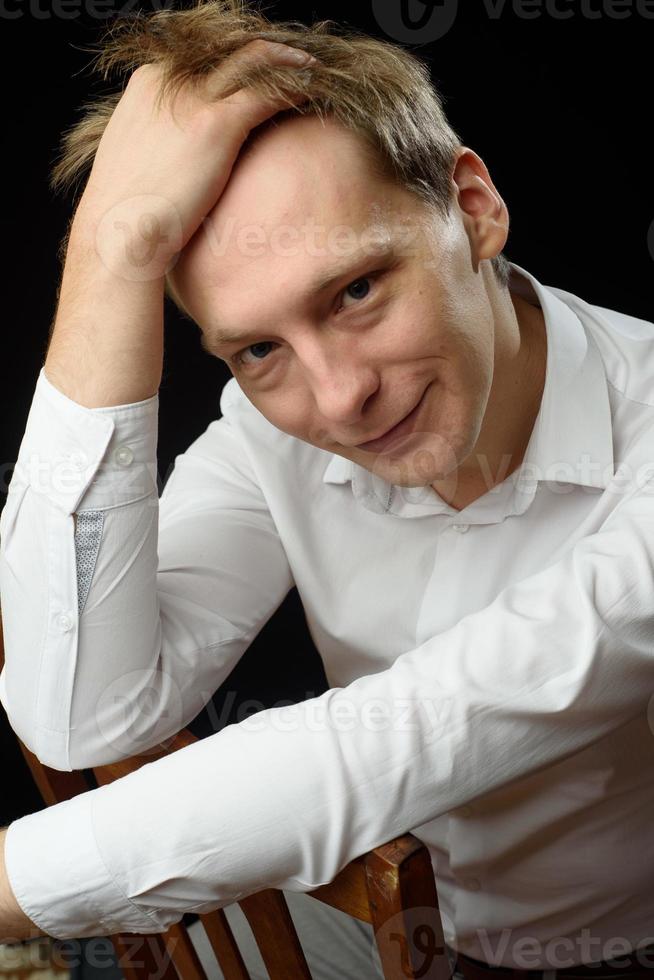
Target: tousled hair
375, 88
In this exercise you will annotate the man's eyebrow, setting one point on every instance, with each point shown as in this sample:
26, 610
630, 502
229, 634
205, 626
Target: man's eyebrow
210, 340
322, 283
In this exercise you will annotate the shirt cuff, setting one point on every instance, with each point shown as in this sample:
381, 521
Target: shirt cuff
60, 880
91, 457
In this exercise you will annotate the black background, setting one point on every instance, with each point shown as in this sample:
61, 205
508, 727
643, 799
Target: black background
558, 107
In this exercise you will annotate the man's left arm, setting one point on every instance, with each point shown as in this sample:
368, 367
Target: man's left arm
289, 796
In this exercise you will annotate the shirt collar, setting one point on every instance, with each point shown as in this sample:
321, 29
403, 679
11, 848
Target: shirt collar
572, 438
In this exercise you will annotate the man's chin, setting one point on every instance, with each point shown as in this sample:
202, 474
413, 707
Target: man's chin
417, 460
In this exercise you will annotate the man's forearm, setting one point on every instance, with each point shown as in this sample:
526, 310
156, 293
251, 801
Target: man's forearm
106, 346
14, 924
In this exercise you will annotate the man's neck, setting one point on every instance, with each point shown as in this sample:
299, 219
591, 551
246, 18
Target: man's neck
511, 412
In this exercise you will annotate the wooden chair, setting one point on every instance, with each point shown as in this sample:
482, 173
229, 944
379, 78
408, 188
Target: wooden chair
391, 887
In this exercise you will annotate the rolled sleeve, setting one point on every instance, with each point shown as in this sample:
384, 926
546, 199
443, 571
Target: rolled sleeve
96, 458
59, 878
70, 457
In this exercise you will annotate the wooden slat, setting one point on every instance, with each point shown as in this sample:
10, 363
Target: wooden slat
274, 931
183, 953
224, 946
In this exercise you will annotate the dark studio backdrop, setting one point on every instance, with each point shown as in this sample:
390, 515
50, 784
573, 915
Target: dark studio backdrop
555, 97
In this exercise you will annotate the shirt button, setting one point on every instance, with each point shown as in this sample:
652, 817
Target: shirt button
461, 528
64, 622
472, 884
124, 456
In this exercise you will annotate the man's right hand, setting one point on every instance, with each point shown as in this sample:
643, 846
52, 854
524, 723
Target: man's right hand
161, 166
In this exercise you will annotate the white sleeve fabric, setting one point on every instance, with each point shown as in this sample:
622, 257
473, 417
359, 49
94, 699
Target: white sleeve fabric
289, 796
117, 633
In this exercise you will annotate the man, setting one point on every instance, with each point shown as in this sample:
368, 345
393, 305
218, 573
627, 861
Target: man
457, 477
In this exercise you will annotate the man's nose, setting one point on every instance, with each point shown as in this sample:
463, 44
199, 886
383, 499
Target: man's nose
341, 385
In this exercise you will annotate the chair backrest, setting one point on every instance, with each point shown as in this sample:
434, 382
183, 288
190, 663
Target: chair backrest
392, 887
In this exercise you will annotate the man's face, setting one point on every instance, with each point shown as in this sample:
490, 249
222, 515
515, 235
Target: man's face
407, 326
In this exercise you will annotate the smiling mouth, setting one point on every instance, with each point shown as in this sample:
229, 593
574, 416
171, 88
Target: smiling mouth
402, 428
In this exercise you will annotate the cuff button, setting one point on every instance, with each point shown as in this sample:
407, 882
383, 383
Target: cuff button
124, 456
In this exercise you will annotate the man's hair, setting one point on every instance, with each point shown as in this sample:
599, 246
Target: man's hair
375, 88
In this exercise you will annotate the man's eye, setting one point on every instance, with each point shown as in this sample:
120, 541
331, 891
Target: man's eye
259, 352
355, 285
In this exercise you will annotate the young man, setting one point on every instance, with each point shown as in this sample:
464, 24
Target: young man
455, 471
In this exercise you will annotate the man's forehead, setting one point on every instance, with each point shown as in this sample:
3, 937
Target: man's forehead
301, 174
372, 225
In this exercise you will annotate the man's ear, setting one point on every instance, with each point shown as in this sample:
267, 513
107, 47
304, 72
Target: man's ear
483, 212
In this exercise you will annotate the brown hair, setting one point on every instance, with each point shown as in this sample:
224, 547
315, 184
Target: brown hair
376, 88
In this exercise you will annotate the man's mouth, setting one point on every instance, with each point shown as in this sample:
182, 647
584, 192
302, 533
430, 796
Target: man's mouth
401, 428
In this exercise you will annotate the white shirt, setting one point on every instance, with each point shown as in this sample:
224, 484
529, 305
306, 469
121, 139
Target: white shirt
490, 669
